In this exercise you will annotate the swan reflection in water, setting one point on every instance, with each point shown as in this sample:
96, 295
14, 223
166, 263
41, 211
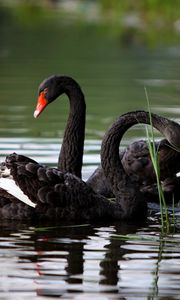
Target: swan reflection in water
89, 259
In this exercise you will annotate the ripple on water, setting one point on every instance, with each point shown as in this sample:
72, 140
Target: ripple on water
151, 259
101, 261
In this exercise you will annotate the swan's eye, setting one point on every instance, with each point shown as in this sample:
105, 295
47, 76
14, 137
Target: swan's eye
45, 91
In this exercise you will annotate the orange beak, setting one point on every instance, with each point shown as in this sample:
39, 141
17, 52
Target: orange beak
41, 104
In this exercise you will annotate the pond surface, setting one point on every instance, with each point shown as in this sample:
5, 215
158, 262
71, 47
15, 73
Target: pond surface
81, 261
105, 261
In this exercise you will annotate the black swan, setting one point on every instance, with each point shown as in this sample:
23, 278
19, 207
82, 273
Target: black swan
60, 195
135, 159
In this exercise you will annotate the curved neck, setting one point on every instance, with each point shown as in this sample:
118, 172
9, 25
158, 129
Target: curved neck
110, 160
71, 154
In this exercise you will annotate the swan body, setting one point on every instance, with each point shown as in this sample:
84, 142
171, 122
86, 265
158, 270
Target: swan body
58, 195
137, 163
137, 160
55, 195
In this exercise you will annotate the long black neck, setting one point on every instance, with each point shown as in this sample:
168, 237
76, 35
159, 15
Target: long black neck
110, 160
71, 154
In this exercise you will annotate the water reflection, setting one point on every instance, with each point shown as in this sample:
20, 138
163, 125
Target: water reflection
153, 259
95, 260
60, 261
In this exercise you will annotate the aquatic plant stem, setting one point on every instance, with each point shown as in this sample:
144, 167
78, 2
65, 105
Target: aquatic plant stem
155, 162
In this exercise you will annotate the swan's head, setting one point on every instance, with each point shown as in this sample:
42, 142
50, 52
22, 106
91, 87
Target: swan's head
49, 90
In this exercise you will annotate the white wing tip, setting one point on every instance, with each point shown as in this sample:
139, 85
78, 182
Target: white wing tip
10, 186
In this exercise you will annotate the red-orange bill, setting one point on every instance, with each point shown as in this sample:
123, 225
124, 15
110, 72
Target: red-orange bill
41, 104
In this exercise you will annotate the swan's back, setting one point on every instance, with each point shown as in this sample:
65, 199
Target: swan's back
56, 195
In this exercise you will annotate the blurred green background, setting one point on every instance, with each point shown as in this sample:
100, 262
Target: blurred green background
113, 48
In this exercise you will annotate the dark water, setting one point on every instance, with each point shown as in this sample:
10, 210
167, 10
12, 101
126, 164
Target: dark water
85, 261
82, 261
